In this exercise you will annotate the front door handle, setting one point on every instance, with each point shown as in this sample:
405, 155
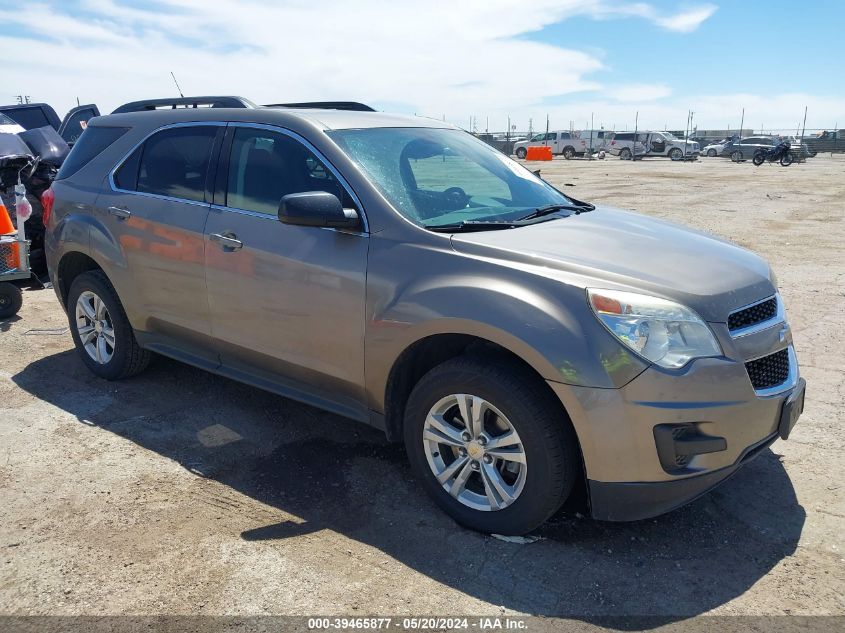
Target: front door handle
228, 241
121, 213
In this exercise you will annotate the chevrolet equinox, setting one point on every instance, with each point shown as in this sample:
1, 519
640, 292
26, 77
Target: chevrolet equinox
400, 272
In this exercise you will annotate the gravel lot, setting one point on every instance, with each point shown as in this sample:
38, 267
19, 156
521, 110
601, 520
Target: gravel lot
180, 492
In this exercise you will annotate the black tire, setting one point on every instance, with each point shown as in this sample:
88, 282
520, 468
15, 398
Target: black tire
11, 300
758, 159
711, 153
549, 441
736, 156
787, 159
521, 153
128, 358
625, 153
568, 152
675, 154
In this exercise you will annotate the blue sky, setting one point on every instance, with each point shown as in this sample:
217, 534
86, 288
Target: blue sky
481, 60
707, 60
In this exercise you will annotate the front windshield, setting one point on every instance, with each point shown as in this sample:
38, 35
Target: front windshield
436, 177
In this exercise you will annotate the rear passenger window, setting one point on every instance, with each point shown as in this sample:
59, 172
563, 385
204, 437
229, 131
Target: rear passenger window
126, 177
174, 162
264, 166
92, 141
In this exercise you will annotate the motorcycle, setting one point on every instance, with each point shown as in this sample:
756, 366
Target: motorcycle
779, 153
30, 161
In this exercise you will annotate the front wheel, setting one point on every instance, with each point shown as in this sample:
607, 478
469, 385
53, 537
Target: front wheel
675, 154
11, 300
490, 445
736, 156
711, 153
787, 159
758, 159
101, 332
568, 152
625, 153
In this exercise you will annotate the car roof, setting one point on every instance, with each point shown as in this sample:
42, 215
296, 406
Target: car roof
324, 119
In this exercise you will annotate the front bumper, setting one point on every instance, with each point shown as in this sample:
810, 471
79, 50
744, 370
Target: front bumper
633, 501
708, 410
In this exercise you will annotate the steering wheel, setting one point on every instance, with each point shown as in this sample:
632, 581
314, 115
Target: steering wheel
457, 196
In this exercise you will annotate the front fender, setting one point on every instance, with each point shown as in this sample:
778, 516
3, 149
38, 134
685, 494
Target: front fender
544, 322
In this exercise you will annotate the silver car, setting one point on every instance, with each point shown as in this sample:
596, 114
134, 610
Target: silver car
402, 273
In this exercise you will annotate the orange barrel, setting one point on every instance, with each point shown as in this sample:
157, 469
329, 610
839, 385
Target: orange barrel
543, 152
6, 225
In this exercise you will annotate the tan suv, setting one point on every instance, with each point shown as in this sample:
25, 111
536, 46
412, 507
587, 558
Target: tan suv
402, 273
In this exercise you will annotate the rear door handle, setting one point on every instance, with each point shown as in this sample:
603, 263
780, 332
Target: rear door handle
228, 241
121, 213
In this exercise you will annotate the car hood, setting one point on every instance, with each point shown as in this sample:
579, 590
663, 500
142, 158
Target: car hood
620, 249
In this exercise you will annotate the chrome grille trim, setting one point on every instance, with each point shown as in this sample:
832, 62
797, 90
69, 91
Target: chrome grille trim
791, 379
777, 319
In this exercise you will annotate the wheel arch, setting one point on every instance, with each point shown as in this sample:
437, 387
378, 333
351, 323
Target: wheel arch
426, 353
70, 266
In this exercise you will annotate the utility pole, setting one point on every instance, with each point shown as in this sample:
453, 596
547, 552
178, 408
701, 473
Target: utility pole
634, 144
804, 126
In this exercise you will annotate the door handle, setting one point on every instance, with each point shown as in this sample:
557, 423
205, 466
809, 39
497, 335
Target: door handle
121, 213
228, 241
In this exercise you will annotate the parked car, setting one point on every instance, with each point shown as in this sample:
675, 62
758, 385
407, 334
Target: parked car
561, 142
400, 272
649, 143
716, 148
31, 116
745, 148
8, 126
565, 143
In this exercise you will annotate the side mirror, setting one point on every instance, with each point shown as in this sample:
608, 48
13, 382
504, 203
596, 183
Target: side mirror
316, 208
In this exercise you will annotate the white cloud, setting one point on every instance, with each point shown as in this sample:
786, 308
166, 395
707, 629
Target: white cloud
686, 21
435, 58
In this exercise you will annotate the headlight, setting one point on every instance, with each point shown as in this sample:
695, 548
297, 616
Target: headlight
663, 332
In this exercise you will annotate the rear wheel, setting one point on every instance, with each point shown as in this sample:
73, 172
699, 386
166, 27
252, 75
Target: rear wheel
787, 159
521, 152
489, 445
568, 152
675, 154
625, 153
11, 300
711, 153
101, 332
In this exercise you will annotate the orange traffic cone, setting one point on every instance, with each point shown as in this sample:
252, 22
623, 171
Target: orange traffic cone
6, 225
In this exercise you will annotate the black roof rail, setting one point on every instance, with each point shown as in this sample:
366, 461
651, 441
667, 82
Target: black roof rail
325, 105
185, 102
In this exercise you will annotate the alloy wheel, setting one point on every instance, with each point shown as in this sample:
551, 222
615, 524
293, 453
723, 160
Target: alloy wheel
95, 327
474, 452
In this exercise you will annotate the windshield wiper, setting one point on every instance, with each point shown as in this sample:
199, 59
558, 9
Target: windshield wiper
578, 208
482, 225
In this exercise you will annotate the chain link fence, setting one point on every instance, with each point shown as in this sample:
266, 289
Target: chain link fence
815, 141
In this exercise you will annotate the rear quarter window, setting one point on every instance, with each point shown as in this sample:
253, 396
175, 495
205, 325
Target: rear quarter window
90, 144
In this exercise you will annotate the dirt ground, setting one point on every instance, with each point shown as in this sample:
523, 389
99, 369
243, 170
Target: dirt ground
180, 492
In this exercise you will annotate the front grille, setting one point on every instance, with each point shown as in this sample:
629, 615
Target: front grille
769, 371
753, 315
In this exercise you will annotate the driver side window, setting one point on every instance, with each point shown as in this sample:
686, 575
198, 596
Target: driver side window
264, 166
